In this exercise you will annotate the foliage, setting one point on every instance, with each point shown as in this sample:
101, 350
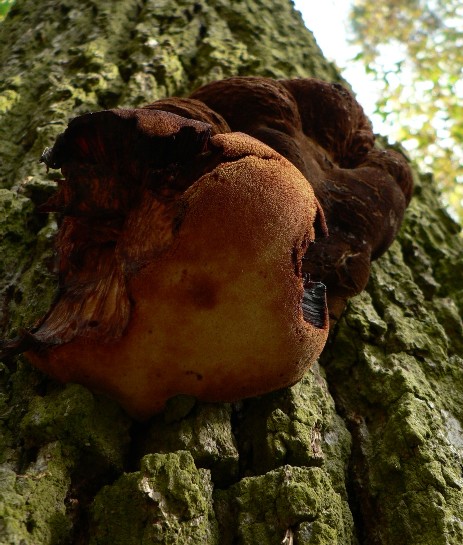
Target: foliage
414, 49
5, 5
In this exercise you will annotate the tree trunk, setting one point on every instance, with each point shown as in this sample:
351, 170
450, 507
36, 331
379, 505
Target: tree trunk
366, 449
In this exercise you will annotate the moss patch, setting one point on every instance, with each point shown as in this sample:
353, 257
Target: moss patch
167, 501
32, 504
83, 422
290, 502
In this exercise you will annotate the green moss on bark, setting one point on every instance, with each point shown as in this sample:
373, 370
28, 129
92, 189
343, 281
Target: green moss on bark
395, 365
81, 421
289, 502
168, 501
297, 426
32, 504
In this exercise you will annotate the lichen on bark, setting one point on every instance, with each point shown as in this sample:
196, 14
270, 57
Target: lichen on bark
367, 448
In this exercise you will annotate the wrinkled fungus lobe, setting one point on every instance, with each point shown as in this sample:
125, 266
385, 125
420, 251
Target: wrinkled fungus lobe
185, 249
323, 131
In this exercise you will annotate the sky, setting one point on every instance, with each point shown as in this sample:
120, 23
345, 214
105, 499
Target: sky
328, 20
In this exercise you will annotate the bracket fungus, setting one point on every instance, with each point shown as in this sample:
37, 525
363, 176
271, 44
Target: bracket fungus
185, 247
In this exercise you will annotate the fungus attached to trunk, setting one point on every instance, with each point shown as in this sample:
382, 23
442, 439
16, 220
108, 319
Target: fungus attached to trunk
186, 254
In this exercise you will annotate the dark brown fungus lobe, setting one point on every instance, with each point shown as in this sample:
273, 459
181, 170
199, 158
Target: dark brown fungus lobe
324, 132
179, 255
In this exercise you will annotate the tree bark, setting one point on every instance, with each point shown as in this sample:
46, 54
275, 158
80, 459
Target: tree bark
366, 449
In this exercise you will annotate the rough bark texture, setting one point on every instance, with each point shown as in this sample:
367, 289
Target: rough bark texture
367, 449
